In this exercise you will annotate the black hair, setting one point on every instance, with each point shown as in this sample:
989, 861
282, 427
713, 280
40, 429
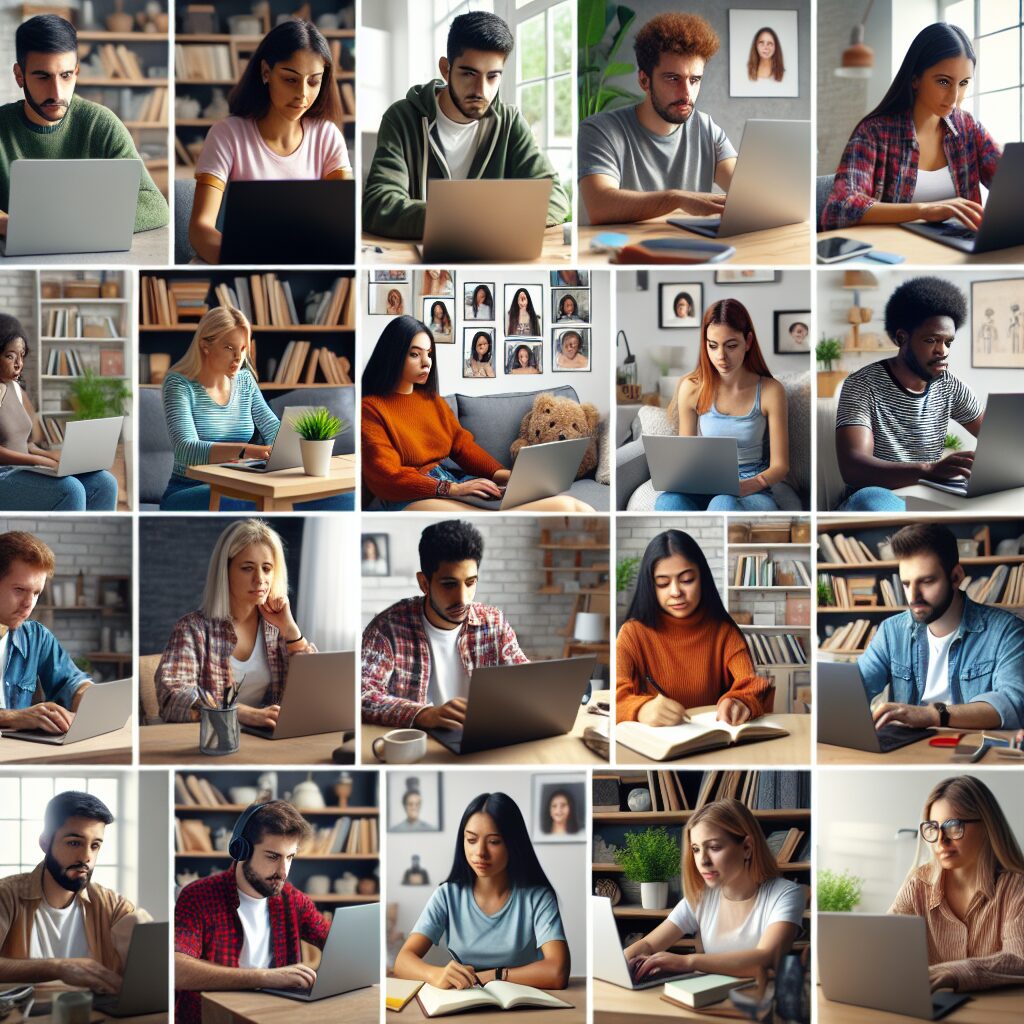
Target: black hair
489, 300
513, 312
11, 330
450, 541
572, 824
798, 323
689, 302
524, 869
568, 297
645, 608
383, 369
45, 33
486, 357
478, 30
74, 804
916, 300
514, 361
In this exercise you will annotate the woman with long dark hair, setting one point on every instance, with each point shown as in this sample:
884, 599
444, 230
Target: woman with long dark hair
568, 309
480, 362
523, 360
917, 155
482, 303
496, 911
765, 63
678, 647
560, 817
285, 123
522, 317
440, 321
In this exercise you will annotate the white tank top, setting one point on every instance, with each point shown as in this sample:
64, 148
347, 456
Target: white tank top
933, 186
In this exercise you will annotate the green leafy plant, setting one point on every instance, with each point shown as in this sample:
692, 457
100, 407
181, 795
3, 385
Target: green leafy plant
838, 891
650, 856
83, 663
828, 351
952, 442
602, 29
94, 397
826, 595
318, 425
625, 572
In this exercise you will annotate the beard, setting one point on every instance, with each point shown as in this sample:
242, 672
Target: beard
441, 612
266, 887
54, 112
472, 115
61, 877
932, 612
672, 114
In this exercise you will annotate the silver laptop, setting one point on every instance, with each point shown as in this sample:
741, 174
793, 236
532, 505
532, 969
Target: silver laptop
879, 961
285, 453
771, 185
144, 983
997, 462
693, 465
540, 470
1002, 223
104, 707
844, 714
494, 219
88, 445
509, 704
59, 206
319, 696
351, 956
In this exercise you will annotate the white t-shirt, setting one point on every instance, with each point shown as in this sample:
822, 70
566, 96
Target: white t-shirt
3, 666
255, 917
776, 900
937, 685
459, 143
58, 932
932, 186
448, 676
256, 672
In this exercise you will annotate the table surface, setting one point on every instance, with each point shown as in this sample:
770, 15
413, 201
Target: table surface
149, 248
396, 252
359, 1007
576, 994
108, 748
178, 743
995, 1007
790, 244
916, 753
616, 1005
278, 490
927, 499
49, 989
916, 248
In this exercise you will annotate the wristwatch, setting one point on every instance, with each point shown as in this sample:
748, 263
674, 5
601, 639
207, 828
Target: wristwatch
943, 711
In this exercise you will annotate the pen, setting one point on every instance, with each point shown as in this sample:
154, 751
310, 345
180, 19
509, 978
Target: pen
455, 957
649, 679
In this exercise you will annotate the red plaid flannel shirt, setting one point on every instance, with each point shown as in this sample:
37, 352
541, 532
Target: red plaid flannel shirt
396, 657
207, 927
879, 164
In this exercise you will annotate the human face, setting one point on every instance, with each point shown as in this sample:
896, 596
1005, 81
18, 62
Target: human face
683, 308
225, 353
941, 88
720, 859
293, 84
558, 810
726, 348
570, 346
480, 297
765, 46
450, 592
19, 592
523, 357
416, 368
250, 574
437, 312
674, 86
798, 332
929, 590
412, 806
677, 586
484, 846
925, 351
482, 346
473, 81
48, 81
957, 854
522, 300
569, 306
267, 869
12, 360
72, 852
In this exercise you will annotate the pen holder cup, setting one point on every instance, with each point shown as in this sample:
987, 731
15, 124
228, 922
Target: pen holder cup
219, 732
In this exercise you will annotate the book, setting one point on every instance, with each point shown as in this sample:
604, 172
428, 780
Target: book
495, 995
703, 990
702, 732
398, 992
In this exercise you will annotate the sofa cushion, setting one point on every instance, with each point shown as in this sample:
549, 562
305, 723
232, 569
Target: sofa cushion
339, 400
156, 456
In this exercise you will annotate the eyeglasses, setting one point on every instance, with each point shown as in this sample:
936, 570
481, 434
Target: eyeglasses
953, 828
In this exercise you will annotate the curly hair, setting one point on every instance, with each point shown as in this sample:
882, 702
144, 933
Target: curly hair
919, 299
688, 35
453, 540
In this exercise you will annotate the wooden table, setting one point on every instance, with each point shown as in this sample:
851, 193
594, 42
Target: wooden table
927, 499
276, 492
999, 1006
774, 246
109, 748
397, 252
149, 248
48, 989
178, 743
916, 753
916, 248
616, 1005
576, 994
359, 1007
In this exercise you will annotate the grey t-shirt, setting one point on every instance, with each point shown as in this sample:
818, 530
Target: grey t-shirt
615, 143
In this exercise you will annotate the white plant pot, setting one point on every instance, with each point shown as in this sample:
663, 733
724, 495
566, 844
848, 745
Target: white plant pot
316, 456
654, 895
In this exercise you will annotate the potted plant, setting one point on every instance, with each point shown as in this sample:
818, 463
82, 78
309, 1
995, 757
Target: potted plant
652, 858
838, 892
94, 397
625, 572
827, 352
826, 596
598, 20
317, 430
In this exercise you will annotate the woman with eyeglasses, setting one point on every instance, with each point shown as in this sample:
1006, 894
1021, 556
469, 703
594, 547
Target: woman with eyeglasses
971, 894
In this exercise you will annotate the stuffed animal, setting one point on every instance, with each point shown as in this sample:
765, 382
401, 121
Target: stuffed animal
554, 418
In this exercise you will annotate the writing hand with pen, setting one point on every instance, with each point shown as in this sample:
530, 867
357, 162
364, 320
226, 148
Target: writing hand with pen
456, 974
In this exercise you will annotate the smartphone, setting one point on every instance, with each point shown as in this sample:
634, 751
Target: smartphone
968, 753
832, 250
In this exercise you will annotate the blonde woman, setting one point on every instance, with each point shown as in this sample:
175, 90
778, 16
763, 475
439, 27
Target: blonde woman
744, 914
243, 634
971, 893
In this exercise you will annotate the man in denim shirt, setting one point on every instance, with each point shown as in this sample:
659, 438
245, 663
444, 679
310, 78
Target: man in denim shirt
950, 661
29, 652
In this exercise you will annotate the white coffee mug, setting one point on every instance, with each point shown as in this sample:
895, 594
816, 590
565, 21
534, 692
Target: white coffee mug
400, 746
71, 1008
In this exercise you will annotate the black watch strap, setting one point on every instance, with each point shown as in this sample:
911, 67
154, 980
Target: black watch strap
943, 711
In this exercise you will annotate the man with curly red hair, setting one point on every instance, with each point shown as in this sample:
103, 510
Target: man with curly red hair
660, 156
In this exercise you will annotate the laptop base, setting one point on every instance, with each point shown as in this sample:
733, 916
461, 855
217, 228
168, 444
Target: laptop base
946, 232
945, 1002
306, 996
253, 730
36, 736
661, 979
707, 226
892, 737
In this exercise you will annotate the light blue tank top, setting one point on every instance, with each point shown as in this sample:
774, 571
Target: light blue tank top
748, 429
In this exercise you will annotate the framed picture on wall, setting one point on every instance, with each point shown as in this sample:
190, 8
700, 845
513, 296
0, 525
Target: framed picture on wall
792, 331
414, 801
523, 311
438, 315
478, 300
570, 349
373, 558
570, 305
389, 276
997, 323
680, 304
437, 282
559, 808
745, 276
523, 357
763, 53
478, 356
570, 278
389, 299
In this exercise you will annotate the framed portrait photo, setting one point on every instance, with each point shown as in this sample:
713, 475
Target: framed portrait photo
523, 311
680, 304
997, 323
570, 349
570, 278
763, 53
558, 808
570, 305
437, 282
524, 356
439, 316
478, 355
373, 554
478, 300
414, 801
793, 331
748, 276
390, 299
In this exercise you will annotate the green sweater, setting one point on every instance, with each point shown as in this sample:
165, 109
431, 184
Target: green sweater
87, 131
409, 153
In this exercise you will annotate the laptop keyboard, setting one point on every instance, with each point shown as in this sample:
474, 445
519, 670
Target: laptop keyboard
954, 229
892, 737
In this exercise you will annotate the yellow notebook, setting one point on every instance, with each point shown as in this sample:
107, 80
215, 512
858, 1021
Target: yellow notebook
398, 991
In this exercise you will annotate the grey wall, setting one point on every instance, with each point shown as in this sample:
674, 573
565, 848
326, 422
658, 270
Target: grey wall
154, 856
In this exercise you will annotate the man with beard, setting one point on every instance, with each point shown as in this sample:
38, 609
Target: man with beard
949, 661
418, 654
892, 415
242, 928
51, 123
456, 128
660, 156
56, 924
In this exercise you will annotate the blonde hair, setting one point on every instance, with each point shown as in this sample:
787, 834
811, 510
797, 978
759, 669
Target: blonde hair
214, 323
738, 823
237, 537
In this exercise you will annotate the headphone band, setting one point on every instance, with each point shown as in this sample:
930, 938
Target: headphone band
240, 847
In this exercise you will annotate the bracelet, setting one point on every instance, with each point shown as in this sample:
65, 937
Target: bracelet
443, 488
296, 640
241, 453
500, 974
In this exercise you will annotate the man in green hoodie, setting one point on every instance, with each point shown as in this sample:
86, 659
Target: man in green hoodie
456, 128
52, 123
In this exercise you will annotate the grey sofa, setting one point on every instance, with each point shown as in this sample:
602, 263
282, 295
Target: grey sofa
184, 193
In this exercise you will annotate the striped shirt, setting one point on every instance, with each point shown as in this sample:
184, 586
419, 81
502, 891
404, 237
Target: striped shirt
984, 950
907, 426
196, 422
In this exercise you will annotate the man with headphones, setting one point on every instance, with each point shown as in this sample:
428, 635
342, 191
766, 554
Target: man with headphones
242, 928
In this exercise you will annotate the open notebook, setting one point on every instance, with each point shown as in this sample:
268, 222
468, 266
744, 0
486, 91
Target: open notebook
702, 732
495, 995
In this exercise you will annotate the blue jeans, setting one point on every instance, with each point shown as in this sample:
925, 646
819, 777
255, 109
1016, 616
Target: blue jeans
873, 499
184, 495
437, 473
761, 501
21, 490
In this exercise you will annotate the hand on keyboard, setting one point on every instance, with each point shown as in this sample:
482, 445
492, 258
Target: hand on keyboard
962, 211
954, 467
914, 716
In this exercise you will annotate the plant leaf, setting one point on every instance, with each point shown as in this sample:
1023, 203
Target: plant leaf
626, 18
619, 68
592, 15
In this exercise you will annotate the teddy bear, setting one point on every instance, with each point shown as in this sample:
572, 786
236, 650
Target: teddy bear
553, 418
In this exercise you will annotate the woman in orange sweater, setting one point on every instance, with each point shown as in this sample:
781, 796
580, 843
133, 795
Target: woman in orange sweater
408, 430
679, 647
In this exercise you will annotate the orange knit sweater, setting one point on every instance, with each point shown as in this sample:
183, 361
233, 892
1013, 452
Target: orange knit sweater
406, 436
695, 660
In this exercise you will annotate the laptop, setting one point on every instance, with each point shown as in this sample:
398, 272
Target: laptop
285, 453
144, 983
997, 462
540, 470
494, 219
879, 961
319, 697
693, 465
844, 715
351, 956
509, 704
61, 206
771, 185
1002, 223
288, 222
88, 445
104, 707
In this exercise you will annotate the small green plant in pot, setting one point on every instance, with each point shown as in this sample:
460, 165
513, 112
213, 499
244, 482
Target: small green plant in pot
828, 351
838, 892
652, 858
95, 398
625, 572
317, 430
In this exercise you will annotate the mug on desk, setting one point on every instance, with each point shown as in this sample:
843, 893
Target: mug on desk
400, 746
71, 1008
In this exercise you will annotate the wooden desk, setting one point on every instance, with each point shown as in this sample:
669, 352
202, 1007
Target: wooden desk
396, 252
178, 743
47, 990
576, 994
1000, 1006
616, 1005
916, 753
774, 247
916, 248
110, 748
792, 749
359, 1007
276, 492
927, 499
149, 249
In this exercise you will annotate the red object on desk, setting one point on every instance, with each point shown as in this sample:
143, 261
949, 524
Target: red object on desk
946, 741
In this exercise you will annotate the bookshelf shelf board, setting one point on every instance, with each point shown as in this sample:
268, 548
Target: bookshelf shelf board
125, 83
337, 812
786, 546
146, 125
980, 560
256, 328
681, 817
805, 589
744, 628
83, 302
617, 869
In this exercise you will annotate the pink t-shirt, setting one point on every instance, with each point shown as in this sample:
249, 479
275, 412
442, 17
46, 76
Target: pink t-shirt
235, 151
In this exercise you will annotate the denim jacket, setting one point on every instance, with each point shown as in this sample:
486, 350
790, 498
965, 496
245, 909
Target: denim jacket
33, 653
986, 661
